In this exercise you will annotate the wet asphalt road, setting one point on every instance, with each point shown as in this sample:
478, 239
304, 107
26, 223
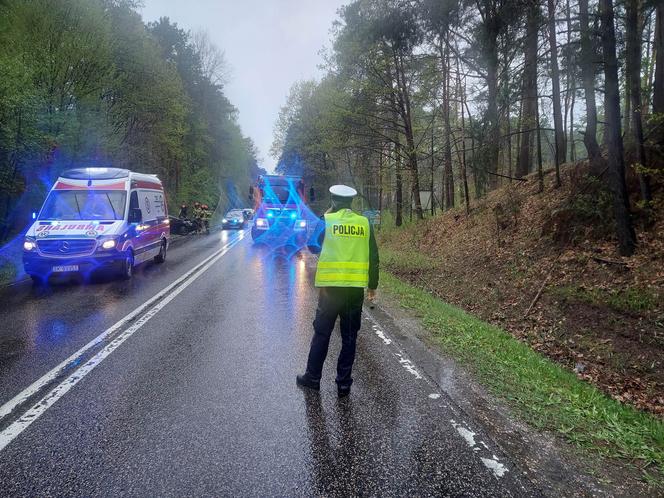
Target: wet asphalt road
201, 399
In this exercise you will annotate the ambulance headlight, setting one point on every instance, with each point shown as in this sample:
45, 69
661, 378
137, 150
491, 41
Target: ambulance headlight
108, 244
224, 220
301, 224
29, 245
261, 223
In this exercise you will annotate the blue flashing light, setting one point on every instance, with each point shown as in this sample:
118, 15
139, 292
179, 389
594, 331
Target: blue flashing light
34, 215
293, 216
270, 214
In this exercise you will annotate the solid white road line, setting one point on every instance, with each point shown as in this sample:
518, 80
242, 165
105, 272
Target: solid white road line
166, 295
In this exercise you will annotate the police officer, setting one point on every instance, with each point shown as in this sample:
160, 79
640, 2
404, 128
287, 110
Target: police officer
347, 264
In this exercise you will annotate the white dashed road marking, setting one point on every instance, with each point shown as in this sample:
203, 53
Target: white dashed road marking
492, 463
408, 365
377, 330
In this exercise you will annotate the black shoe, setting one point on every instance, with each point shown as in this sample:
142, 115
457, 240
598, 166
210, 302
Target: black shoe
304, 381
343, 391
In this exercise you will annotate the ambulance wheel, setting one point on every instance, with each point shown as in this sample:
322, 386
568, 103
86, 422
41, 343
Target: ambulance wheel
161, 257
128, 265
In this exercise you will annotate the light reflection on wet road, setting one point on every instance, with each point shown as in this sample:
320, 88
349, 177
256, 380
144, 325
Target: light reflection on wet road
202, 399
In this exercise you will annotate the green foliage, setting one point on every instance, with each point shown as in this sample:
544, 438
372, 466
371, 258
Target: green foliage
593, 203
588, 213
366, 115
545, 394
86, 82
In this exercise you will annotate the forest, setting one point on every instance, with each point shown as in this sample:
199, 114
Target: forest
429, 104
86, 82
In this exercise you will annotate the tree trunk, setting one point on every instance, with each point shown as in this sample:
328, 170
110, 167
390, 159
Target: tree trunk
649, 70
433, 167
405, 111
518, 135
560, 152
528, 93
399, 185
490, 29
658, 47
588, 75
492, 109
447, 147
616, 163
507, 110
540, 170
462, 103
415, 180
571, 84
627, 110
510, 172
633, 56
380, 179
572, 150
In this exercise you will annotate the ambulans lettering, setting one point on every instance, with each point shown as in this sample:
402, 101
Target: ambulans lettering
69, 226
348, 230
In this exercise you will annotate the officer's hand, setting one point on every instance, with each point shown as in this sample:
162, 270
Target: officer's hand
371, 295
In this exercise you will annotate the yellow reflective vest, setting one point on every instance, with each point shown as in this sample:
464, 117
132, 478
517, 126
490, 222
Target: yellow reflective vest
344, 257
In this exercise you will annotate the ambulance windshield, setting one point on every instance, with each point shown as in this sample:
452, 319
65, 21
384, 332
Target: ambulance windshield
84, 205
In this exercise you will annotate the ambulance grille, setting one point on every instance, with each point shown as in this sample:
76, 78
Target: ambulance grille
69, 247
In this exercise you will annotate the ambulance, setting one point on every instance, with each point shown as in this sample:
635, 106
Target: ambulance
98, 219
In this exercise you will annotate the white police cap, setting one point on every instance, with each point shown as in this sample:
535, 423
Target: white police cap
343, 191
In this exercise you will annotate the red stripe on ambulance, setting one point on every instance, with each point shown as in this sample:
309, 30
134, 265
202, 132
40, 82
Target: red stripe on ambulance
111, 186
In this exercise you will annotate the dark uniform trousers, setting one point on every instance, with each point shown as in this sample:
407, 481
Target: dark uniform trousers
345, 303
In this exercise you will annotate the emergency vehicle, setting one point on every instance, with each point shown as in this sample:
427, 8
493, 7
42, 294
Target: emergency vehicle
280, 210
98, 219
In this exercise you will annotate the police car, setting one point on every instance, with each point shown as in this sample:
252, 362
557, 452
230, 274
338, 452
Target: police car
96, 219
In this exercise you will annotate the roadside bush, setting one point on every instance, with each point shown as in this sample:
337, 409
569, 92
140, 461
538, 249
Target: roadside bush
586, 214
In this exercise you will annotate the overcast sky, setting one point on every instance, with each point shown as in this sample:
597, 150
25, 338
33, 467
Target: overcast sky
269, 44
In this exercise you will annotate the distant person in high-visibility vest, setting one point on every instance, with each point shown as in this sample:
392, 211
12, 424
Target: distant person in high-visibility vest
196, 213
348, 264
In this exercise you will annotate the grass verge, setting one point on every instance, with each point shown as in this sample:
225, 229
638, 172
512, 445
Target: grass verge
544, 394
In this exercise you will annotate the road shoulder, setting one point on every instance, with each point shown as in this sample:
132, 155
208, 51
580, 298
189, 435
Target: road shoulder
552, 465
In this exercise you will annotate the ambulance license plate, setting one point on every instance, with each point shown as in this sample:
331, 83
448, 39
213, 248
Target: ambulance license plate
64, 268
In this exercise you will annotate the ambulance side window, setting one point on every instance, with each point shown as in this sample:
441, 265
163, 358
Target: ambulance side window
133, 201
